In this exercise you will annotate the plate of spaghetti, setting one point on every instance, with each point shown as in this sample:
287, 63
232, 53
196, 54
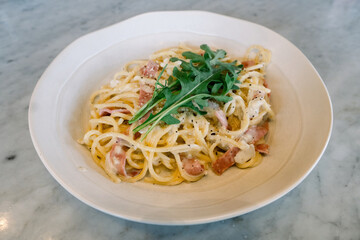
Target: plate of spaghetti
174, 123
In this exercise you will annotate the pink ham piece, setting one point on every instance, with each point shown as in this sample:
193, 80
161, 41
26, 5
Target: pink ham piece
225, 161
118, 158
137, 135
109, 111
255, 133
192, 166
248, 63
262, 148
150, 69
220, 115
146, 93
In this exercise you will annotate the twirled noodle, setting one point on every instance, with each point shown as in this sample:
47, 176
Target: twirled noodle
159, 158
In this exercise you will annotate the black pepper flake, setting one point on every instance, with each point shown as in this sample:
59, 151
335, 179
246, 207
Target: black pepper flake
11, 157
213, 134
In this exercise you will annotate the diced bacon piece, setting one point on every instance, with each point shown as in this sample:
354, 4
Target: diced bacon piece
150, 69
248, 63
118, 159
225, 161
109, 111
146, 93
192, 166
104, 112
255, 133
134, 172
220, 115
137, 135
262, 148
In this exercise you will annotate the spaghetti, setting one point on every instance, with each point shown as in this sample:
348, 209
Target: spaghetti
230, 133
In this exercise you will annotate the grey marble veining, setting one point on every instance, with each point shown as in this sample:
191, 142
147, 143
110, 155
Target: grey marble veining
34, 206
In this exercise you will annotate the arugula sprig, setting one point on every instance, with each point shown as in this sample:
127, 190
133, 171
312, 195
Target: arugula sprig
201, 78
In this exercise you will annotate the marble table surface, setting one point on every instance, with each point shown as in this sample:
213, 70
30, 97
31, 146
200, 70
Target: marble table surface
326, 205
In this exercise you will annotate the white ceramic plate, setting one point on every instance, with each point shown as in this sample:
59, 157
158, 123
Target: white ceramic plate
59, 107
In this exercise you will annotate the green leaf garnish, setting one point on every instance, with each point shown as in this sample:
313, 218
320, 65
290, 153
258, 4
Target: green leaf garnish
202, 78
